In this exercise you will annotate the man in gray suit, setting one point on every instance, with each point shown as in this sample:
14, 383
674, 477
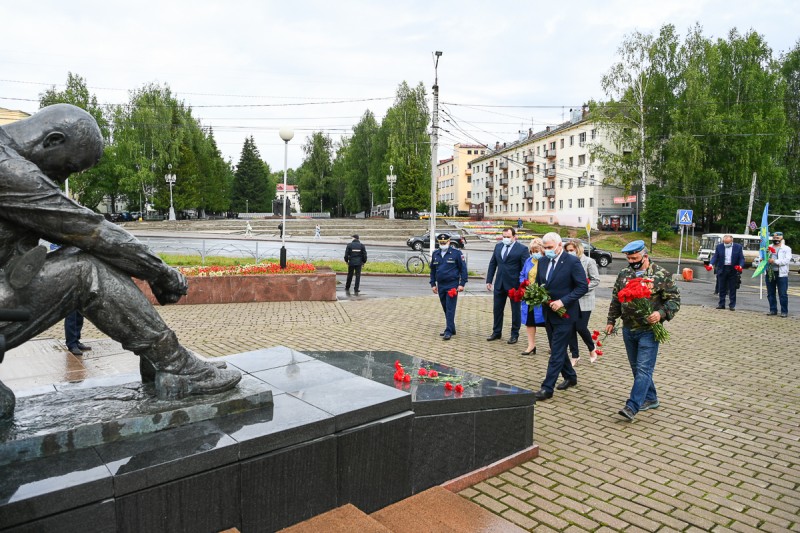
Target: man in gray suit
507, 261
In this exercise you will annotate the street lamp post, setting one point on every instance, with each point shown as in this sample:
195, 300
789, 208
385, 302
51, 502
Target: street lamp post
170, 178
391, 179
286, 135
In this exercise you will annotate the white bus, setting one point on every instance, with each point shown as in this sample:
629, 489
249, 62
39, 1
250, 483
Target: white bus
709, 242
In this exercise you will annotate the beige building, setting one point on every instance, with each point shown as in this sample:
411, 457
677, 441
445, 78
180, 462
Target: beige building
292, 197
11, 115
549, 177
453, 182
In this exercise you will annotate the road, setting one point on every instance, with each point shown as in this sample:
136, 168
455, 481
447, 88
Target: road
697, 292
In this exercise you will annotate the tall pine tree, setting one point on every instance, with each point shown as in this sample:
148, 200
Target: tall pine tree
252, 189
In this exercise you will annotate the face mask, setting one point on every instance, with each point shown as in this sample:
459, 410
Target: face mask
728, 245
551, 254
443, 244
507, 241
536, 255
572, 253
776, 242
637, 265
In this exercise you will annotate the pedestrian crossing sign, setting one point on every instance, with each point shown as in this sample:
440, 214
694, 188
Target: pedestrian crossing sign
685, 217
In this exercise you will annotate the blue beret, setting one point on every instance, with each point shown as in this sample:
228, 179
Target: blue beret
633, 247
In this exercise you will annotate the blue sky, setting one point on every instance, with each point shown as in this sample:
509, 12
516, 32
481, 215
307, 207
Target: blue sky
244, 65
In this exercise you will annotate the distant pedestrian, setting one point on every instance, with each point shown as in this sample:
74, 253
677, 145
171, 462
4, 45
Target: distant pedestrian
728, 262
637, 331
448, 277
519, 223
355, 255
317, 232
280, 229
778, 279
73, 325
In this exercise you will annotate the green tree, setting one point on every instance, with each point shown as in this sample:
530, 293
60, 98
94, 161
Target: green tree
314, 175
354, 161
251, 183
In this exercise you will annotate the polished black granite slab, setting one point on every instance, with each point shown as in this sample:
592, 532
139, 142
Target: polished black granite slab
339, 430
429, 397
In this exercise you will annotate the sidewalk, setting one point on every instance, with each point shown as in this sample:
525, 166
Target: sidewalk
721, 454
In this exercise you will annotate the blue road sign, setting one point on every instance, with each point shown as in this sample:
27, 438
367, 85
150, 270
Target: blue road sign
685, 217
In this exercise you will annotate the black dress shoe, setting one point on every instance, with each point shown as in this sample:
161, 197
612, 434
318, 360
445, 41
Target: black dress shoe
720, 307
564, 385
84, 348
493, 337
513, 340
542, 394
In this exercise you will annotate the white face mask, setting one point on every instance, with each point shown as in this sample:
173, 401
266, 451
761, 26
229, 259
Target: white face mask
507, 241
572, 253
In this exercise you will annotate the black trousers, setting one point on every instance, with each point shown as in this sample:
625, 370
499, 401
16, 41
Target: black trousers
350, 271
73, 325
582, 328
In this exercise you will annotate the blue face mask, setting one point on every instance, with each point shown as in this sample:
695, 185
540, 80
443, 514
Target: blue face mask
551, 254
536, 255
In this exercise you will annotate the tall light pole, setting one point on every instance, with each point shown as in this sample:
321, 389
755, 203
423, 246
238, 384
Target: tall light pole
170, 178
286, 134
434, 144
391, 179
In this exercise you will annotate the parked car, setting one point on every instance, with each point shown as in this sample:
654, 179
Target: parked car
602, 257
423, 241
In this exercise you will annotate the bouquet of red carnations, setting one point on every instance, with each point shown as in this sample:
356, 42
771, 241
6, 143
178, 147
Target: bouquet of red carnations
534, 294
638, 292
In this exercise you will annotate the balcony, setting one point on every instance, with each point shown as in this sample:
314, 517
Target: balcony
490, 184
549, 192
551, 173
528, 194
527, 176
529, 159
504, 182
504, 165
490, 169
503, 197
468, 172
490, 200
550, 154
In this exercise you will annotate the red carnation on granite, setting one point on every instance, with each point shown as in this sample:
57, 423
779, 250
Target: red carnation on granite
422, 372
407, 378
448, 385
459, 388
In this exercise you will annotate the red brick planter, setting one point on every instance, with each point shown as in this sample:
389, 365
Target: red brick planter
316, 286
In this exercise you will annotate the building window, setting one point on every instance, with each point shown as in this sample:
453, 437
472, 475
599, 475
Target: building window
560, 205
553, 145
591, 202
552, 205
469, 152
569, 203
580, 202
537, 153
570, 161
570, 183
572, 140
582, 159
537, 186
560, 184
562, 142
561, 163
582, 138
537, 168
594, 134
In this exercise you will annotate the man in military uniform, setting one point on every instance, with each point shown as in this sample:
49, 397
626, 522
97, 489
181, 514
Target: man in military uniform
637, 332
448, 271
355, 255
92, 271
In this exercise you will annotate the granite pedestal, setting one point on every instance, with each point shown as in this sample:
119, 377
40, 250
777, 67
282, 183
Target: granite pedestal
340, 430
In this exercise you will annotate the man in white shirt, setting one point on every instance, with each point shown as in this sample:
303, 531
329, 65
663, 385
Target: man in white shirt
778, 279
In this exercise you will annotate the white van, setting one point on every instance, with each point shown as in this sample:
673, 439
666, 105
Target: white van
709, 241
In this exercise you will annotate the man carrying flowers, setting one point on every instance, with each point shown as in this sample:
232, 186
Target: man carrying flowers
448, 277
644, 296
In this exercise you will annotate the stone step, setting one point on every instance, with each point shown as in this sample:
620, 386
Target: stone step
345, 519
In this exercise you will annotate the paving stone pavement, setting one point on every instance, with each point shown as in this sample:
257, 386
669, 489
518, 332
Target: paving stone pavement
722, 453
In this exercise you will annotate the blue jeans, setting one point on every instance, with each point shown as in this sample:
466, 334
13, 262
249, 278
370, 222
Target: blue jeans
642, 351
782, 286
73, 324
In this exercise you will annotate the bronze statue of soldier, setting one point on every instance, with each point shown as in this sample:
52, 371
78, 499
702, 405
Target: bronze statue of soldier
92, 270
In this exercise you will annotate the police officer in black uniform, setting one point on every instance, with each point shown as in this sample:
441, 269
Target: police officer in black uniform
355, 256
448, 271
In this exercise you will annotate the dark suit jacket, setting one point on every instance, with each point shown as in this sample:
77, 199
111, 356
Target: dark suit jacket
507, 269
737, 256
567, 283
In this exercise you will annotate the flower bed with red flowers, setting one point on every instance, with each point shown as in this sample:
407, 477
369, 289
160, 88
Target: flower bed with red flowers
255, 283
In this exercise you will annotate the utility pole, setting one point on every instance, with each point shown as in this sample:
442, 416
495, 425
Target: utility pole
750, 206
434, 145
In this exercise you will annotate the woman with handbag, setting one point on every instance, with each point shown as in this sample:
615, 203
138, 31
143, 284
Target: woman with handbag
532, 316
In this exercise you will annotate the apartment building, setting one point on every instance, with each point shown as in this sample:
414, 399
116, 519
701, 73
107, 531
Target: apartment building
549, 177
453, 181
11, 115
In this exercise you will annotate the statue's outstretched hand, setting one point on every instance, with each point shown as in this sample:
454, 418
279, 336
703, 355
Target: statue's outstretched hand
170, 287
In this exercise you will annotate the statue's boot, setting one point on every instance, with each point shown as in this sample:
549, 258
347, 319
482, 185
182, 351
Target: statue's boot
148, 371
7, 403
180, 374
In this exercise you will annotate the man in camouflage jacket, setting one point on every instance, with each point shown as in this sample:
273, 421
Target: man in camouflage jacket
637, 332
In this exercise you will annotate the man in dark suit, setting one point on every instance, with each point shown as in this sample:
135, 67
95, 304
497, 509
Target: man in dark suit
507, 261
565, 280
729, 262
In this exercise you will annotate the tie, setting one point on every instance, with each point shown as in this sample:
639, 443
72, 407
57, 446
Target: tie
550, 269
505, 251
